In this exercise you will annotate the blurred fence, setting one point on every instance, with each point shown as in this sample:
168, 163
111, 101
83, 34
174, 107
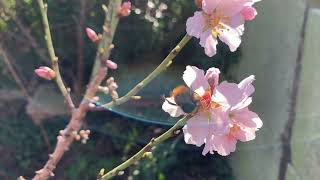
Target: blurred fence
282, 48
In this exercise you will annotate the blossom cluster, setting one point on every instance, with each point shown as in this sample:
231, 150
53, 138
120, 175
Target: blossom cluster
221, 116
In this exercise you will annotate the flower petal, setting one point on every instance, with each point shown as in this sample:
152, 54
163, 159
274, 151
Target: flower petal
227, 94
237, 22
247, 118
197, 129
249, 13
173, 110
231, 37
195, 24
220, 122
245, 134
195, 80
209, 146
224, 145
212, 76
209, 43
246, 86
231, 7
209, 5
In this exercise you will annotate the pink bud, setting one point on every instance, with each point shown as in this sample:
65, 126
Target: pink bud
249, 13
111, 64
45, 73
125, 9
92, 35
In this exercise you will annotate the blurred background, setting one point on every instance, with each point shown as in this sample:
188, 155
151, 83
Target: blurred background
280, 47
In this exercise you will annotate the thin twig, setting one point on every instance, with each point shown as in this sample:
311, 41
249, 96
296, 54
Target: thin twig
147, 148
163, 66
53, 57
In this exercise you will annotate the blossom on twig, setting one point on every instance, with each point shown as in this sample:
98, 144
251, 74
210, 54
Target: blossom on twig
223, 19
222, 117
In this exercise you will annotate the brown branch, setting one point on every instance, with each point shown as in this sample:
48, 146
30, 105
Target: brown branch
65, 138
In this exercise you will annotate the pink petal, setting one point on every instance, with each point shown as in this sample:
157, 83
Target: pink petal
246, 85
245, 134
209, 146
195, 80
212, 76
231, 7
197, 129
231, 37
227, 94
247, 118
209, 43
220, 122
195, 24
237, 22
243, 104
209, 5
173, 110
249, 13
224, 145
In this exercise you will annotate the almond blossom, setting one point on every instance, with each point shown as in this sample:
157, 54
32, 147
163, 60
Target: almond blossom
223, 19
222, 117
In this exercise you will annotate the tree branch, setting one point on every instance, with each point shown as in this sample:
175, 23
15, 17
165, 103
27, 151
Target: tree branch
53, 57
65, 138
146, 149
163, 66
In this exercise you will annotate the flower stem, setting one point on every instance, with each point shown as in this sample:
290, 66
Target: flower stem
53, 57
163, 66
147, 148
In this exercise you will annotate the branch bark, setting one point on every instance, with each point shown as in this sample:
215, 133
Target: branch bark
65, 138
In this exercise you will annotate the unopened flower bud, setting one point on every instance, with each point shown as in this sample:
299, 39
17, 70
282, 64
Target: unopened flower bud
198, 3
113, 86
110, 80
45, 73
111, 64
92, 35
249, 13
125, 9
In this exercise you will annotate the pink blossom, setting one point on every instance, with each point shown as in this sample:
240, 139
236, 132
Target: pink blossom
45, 73
223, 116
125, 9
92, 35
234, 100
223, 19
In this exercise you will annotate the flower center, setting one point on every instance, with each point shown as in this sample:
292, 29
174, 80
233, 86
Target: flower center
205, 100
216, 20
